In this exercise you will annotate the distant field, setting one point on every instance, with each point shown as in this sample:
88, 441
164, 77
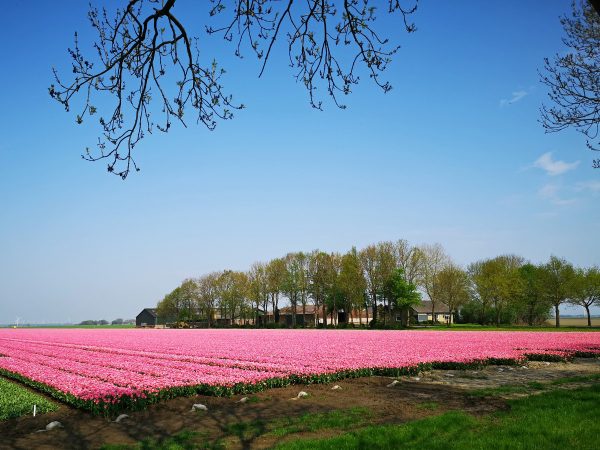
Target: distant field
575, 322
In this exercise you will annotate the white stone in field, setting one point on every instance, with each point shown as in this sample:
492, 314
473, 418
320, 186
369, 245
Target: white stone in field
393, 383
302, 394
243, 400
199, 407
336, 387
524, 367
416, 378
53, 425
546, 363
449, 375
121, 417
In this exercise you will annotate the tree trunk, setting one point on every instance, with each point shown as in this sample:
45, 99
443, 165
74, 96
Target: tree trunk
303, 314
367, 312
374, 303
587, 311
557, 315
433, 318
449, 321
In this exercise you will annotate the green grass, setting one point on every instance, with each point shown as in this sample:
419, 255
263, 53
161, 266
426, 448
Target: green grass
185, 440
338, 419
429, 406
17, 401
552, 420
531, 386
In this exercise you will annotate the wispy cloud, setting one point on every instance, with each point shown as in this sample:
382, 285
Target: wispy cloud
553, 166
590, 186
516, 96
550, 192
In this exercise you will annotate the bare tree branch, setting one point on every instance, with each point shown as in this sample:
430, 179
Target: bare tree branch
143, 50
573, 78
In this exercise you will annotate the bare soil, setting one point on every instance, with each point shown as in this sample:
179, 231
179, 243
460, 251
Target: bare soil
411, 398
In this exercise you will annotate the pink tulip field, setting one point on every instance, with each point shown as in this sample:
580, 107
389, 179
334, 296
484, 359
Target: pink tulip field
102, 370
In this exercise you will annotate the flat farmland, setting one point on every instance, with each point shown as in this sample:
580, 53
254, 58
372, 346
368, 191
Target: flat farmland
575, 322
104, 370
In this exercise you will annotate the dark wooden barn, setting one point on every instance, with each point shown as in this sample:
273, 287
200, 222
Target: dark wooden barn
147, 318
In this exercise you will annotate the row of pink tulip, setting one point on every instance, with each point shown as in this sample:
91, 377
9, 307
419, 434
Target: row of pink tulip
99, 364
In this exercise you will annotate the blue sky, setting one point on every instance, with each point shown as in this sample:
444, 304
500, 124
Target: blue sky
453, 154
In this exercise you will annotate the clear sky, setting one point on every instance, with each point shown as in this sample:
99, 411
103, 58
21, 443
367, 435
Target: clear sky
453, 154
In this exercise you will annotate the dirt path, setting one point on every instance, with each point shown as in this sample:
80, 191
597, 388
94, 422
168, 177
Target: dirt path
411, 398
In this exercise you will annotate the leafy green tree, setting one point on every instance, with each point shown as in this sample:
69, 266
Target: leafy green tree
294, 281
586, 290
233, 294
369, 261
352, 283
533, 305
452, 288
401, 294
320, 281
497, 283
558, 275
276, 273
208, 295
258, 289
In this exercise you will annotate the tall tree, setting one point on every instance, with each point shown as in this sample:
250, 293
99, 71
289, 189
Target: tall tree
258, 289
434, 260
498, 282
558, 275
352, 283
148, 49
208, 287
402, 294
452, 288
533, 305
293, 282
320, 276
409, 258
276, 274
573, 77
369, 261
233, 293
586, 290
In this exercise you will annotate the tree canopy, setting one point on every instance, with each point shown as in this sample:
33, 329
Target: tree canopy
573, 77
146, 58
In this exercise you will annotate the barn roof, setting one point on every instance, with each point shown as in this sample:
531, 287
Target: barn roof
152, 311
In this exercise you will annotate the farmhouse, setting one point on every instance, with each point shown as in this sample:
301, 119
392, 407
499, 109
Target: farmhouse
146, 318
422, 312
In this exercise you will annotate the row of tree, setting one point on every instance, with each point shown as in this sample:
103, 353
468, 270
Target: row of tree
383, 280
106, 322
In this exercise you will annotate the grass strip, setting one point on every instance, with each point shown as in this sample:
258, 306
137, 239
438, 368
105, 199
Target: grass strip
553, 420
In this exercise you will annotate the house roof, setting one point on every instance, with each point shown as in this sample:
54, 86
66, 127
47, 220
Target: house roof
310, 309
150, 310
425, 307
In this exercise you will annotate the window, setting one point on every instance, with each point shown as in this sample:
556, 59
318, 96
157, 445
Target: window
398, 318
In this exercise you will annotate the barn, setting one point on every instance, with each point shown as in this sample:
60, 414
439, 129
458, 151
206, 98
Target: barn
146, 318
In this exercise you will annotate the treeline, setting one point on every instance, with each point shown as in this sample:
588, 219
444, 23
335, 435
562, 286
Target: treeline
106, 322
383, 280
